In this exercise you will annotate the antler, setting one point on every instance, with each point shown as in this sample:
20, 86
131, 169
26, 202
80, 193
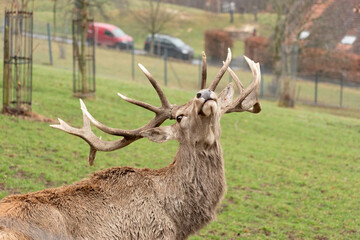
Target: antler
204, 72
248, 98
218, 77
221, 72
96, 144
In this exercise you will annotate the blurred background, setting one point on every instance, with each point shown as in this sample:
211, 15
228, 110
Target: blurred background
308, 50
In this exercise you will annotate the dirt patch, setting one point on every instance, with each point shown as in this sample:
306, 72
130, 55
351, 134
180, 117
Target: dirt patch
47, 184
319, 237
244, 28
27, 115
19, 173
222, 208
3, 187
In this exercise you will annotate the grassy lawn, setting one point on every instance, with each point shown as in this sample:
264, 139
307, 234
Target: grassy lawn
291, 173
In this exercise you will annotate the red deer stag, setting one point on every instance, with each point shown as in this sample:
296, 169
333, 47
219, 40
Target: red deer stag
129, 203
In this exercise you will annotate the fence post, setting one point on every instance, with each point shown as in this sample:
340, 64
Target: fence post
49, 39
165, 65
262, 81
316, 86
132, 63
341, 89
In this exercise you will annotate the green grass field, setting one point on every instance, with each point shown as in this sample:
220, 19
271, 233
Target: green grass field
291, 173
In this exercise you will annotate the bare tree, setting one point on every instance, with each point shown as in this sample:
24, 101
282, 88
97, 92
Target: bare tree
291, 15
122, 6
153, 18
82, 11
281, 8
16, 74
129, 203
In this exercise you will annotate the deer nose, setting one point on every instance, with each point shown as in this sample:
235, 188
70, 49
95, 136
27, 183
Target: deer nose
205, 94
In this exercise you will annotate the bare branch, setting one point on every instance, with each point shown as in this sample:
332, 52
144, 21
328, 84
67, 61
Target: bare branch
153, 17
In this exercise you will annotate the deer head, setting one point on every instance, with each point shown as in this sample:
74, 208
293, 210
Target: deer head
197, 121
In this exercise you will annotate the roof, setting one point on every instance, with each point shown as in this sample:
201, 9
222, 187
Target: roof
332, 23
157, 35
105, 25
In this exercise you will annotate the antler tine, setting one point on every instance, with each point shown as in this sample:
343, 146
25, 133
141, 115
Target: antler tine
164, 101
129, 136
141, 104
255, 69
104, 128
96, 144
204, 71
221, 72
162, 113
237, 81
248, 98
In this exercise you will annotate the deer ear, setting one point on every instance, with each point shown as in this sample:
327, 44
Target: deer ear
159, 134
226, 96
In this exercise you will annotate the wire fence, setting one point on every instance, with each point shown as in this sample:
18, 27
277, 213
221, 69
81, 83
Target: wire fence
328, 91
314, 89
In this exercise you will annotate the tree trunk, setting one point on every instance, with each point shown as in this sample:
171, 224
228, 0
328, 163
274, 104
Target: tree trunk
54, 19
82, 57
277, 72
278, 38
287, 96
152, 44
17, 70
7, 70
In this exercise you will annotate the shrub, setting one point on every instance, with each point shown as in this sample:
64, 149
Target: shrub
216, 43
332, 64
257, 49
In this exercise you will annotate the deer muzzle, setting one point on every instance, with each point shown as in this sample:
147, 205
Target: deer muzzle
208, 100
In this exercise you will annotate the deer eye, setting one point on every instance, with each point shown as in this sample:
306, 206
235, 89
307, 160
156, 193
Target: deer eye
178, 118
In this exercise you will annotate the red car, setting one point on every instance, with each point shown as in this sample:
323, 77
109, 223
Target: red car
109, 35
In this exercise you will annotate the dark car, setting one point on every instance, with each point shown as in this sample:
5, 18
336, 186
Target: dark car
176, 48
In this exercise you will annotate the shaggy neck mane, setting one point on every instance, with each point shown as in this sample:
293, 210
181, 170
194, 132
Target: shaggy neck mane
194, 185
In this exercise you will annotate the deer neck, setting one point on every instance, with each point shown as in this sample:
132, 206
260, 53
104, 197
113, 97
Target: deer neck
192, 161
201, 162
195, 186
201, 166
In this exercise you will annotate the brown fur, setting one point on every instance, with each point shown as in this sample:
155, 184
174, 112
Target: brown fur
128, 203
